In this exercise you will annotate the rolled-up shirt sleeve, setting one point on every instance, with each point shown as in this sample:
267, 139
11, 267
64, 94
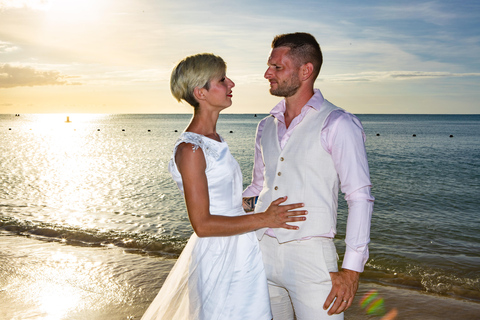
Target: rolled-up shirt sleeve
343, 137
256, 186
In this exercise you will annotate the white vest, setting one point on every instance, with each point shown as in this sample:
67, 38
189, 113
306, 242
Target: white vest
304, 172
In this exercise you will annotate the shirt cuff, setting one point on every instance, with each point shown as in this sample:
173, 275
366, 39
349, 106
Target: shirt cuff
250, 191
353, 260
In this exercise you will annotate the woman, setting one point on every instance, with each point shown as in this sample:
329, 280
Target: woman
220, 274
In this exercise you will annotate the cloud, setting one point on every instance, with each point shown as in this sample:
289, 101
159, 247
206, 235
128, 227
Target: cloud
393, 75
25, 76
431, 12
33, 4
6, 47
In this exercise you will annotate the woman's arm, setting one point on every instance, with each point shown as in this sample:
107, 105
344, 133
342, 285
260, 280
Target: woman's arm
191, 165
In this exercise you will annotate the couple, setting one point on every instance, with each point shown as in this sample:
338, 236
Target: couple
303, 150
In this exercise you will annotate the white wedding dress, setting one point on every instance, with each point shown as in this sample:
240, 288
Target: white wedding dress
215, 277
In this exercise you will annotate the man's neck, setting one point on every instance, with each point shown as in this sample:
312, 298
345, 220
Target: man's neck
295, 103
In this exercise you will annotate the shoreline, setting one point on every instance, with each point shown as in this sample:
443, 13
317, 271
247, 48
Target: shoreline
170, 248
40, 279
402, 281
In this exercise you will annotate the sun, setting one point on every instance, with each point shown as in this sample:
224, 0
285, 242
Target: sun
74, 11
64, 11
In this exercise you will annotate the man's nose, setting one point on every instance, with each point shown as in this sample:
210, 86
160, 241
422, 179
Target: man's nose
267, 74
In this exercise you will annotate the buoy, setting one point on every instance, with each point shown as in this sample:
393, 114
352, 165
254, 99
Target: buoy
123, 129
378, 134
231, 131
414, 135
148, 130
176, 130
451, 136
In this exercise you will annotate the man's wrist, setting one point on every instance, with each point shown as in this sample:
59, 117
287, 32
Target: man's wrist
354, 261
249, 203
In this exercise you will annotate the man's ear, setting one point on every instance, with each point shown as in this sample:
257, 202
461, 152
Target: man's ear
199, 93
306, 71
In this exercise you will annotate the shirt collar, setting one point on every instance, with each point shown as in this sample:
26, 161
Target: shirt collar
315, 102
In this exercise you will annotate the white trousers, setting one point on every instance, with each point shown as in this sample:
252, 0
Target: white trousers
298, 274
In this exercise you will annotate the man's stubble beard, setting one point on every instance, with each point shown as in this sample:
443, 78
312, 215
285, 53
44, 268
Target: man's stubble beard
287, 89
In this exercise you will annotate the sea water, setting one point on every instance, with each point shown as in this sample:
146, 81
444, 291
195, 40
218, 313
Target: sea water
102, 180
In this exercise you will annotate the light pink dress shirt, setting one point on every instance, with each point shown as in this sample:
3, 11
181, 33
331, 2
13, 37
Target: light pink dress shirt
342, 137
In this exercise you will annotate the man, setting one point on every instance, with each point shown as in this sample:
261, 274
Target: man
305, 149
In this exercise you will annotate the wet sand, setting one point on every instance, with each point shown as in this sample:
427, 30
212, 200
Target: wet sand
51, 280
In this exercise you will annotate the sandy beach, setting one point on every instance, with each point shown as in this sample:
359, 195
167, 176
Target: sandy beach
50, 280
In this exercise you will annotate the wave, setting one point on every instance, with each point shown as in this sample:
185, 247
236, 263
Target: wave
135, 242
423, 278
389, 272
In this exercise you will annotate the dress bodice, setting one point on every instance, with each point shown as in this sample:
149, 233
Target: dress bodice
223, 173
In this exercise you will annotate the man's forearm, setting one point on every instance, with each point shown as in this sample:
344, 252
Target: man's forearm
360, 211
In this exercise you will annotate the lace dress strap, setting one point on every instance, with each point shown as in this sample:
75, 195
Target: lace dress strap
208, 146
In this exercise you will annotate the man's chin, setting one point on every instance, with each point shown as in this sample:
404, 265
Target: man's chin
282, 94
275, 93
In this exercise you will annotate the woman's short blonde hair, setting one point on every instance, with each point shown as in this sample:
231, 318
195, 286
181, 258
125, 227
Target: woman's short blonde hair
195, 71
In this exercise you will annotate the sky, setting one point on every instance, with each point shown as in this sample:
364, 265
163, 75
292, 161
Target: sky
116, 56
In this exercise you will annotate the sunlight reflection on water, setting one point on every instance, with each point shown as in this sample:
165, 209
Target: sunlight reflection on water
91, 173
54, 281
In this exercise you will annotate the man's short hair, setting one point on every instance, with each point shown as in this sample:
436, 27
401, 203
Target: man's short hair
195, 71
304, 48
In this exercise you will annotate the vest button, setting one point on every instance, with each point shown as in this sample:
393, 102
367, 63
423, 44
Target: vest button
279, 173
281, 159
276, 188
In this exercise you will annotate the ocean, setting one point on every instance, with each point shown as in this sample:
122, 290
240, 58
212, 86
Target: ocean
98, 185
